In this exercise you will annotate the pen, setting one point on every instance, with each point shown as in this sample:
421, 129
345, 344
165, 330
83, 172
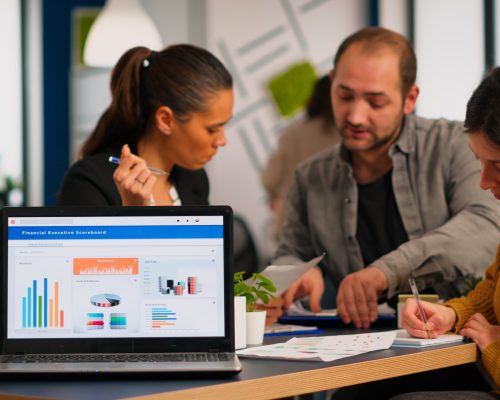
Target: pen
157, 171
414, 290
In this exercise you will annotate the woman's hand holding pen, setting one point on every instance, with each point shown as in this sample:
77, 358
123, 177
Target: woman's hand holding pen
133, 179
440, 319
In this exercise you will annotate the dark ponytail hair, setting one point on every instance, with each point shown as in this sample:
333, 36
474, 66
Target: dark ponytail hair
320, 102
180, 77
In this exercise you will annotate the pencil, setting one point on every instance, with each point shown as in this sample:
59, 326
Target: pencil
156, 171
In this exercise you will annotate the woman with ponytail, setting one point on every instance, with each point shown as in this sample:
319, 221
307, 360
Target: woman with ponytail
165, 122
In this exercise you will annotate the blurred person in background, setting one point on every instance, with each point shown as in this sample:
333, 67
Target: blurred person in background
299, 141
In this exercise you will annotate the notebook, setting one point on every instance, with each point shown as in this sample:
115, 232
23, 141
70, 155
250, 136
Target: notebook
117, 290
404, 339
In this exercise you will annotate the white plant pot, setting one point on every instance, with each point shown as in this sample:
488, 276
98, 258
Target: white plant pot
256, 321
240, 322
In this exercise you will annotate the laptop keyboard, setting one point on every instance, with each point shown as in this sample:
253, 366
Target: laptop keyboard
155, 357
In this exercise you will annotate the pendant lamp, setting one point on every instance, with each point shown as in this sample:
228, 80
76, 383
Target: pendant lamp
121, 25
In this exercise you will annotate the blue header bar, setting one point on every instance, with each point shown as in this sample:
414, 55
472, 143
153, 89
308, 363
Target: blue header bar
115, 232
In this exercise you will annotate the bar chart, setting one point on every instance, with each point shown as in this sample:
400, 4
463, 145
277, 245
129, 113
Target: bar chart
162, 317
41, 310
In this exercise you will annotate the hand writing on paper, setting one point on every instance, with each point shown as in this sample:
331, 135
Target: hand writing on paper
357, 296
481, 331
274, 310
310, 284
133, 179
440, 319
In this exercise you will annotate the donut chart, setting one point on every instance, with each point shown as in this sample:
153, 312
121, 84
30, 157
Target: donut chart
105, 300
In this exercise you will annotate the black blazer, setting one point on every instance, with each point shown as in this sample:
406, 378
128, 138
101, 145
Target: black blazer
89, 182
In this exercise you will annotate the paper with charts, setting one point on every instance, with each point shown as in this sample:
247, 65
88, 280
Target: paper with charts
323, 348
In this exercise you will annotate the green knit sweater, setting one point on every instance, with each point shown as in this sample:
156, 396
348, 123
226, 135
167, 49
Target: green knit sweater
484, 299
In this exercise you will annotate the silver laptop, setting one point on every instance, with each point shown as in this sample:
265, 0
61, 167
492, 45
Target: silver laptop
117, 290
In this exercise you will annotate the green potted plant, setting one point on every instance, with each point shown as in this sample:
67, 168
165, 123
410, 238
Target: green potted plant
258, 287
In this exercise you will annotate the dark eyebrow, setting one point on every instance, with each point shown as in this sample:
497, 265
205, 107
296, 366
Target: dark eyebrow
218, 124
344, 88
377, 94
492, 161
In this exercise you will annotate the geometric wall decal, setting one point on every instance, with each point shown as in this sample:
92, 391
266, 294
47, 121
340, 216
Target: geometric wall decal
291, 89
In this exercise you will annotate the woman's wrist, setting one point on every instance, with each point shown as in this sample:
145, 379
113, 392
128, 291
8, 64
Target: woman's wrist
451, 318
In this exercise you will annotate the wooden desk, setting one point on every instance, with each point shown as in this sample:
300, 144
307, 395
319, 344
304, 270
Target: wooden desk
383, 365
260, 379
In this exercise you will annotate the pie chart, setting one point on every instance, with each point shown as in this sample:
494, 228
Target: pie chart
105, 300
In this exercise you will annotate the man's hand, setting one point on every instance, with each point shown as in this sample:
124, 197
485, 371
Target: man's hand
481, 331
310, 284
274, 310
357, 296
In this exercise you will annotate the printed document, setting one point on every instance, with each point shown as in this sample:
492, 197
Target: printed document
323, 348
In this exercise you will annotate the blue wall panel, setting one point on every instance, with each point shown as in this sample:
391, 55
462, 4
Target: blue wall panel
56, 24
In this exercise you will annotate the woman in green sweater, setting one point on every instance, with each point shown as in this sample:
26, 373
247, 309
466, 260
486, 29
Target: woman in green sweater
477, 315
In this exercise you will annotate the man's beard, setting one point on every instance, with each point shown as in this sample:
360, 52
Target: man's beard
378, 143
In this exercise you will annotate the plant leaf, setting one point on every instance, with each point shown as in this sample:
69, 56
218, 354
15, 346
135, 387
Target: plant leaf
238, 276
269, 286
263, 296
250, 298
260, 288
261, 278
241, 288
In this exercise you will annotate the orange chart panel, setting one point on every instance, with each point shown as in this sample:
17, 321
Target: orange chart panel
105, 266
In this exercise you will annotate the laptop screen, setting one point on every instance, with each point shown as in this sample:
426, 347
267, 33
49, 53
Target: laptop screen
115, 276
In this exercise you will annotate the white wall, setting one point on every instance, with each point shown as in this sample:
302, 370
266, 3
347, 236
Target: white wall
496, 5
449, 43
393, 14
11, 91
33, 110
171, 19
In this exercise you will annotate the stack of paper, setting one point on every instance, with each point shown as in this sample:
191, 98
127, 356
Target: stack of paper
323, 348
329, 348
404, 339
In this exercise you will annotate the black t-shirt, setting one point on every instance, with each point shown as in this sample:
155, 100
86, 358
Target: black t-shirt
380, 228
